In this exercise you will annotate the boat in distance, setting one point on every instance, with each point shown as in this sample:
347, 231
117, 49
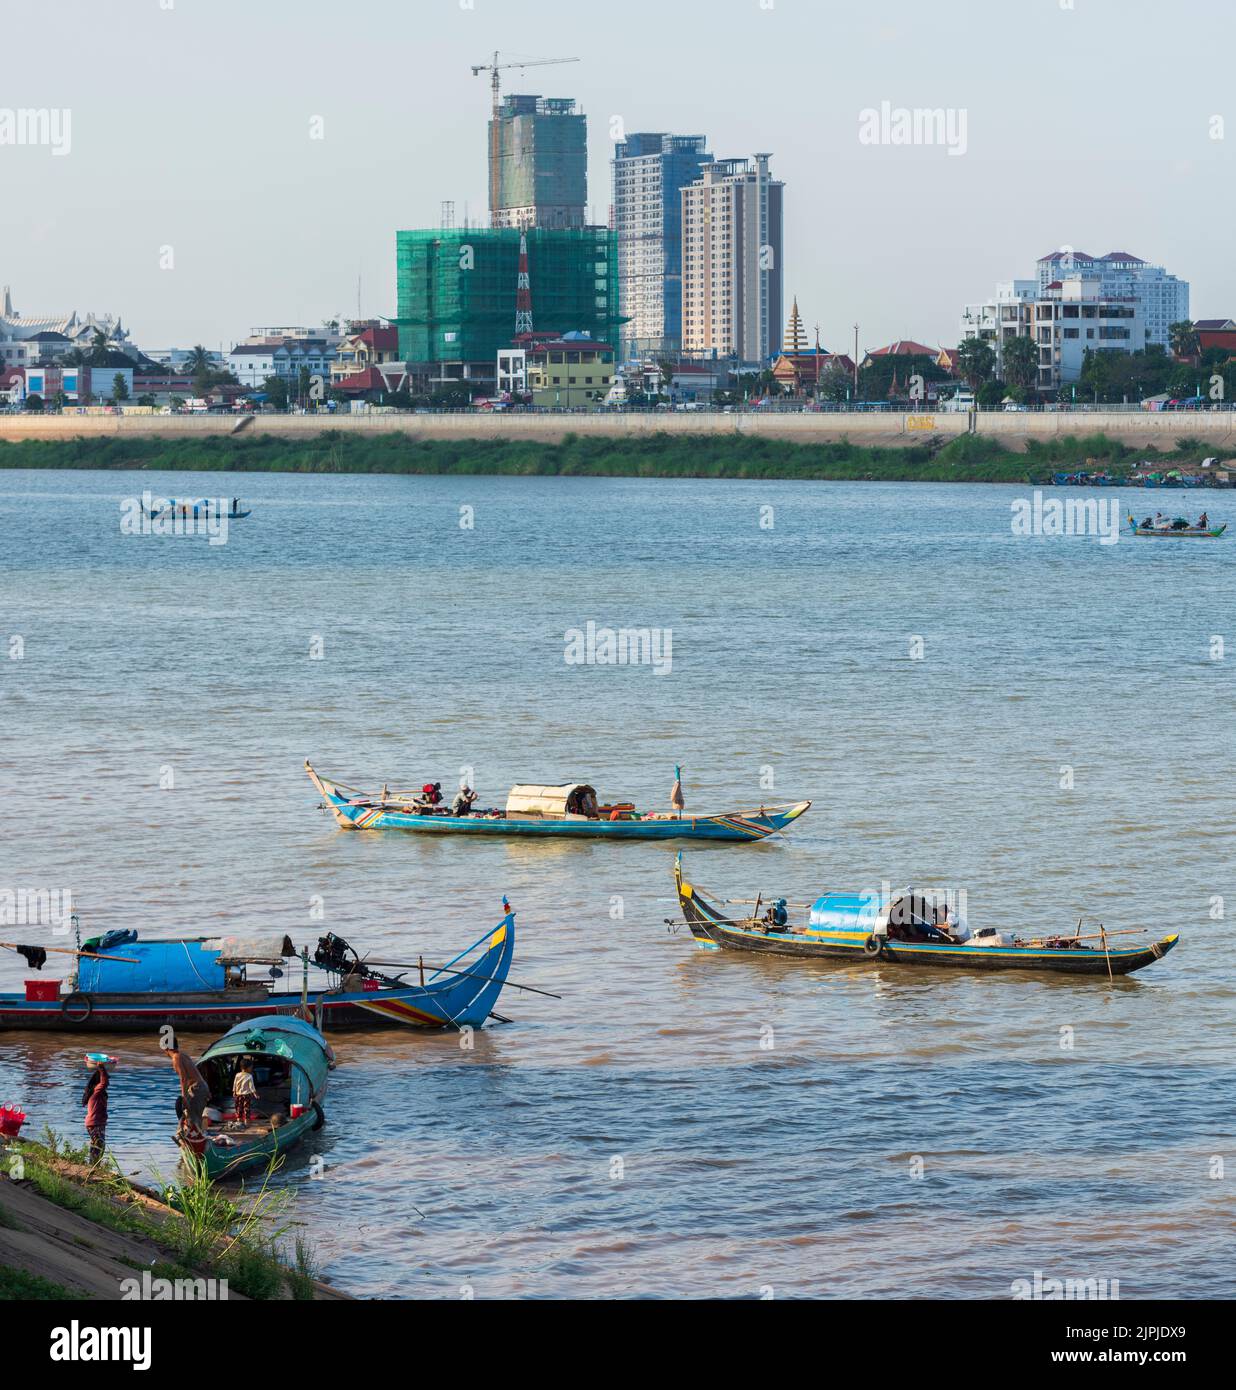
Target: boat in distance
204, 984
290, 1062
898, 928
1175, 531
570, 811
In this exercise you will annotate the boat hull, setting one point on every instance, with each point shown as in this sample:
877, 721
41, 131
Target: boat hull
462, 999
221, 1161
713, 932
736, 827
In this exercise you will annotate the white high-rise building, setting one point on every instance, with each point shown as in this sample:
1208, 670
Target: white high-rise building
731, 261
1162, 298
650, 170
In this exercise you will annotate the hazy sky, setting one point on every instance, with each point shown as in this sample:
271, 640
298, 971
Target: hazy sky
1088, 123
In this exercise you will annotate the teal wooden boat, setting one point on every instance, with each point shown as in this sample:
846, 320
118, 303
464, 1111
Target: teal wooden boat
290, 1061
895, 929
571, 811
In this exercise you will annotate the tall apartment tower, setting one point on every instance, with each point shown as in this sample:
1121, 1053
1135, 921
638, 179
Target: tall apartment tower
538, 163
650, 170
731, 267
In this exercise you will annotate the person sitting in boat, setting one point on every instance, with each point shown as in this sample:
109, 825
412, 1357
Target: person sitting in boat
1148, 524
431, 795
464, 798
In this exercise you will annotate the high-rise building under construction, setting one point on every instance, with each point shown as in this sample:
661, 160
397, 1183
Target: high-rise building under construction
538, 163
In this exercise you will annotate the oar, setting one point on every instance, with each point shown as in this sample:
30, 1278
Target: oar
443, 970
68, 951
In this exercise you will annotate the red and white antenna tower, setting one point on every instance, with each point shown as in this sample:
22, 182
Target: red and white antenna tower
523, 292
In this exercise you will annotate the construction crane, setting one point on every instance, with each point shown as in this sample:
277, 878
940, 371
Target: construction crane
494, 69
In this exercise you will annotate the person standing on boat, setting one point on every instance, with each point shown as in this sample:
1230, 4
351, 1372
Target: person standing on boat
95, 1101
194, 1092
1203, 522
244, 1091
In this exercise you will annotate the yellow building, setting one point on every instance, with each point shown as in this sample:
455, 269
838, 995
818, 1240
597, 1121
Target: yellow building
568, 372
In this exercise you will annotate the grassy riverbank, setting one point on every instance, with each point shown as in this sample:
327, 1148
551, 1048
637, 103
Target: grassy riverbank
970, 458
71, 1232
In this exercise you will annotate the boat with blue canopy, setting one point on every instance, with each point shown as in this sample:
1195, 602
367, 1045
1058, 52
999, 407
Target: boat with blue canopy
289, 1061
570, 810
897, 927
125, 984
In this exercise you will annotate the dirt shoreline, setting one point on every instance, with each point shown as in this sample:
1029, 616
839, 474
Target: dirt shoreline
58, 1249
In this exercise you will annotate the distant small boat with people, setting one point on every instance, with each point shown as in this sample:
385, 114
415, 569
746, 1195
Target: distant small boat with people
203, 507
571, 810
897, 928
1176, 527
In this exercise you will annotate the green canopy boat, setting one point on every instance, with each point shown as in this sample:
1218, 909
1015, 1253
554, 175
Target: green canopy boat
290, 1061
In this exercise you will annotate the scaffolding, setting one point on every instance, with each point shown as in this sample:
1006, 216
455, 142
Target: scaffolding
456, 288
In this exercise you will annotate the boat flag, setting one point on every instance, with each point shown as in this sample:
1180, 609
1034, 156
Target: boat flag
676, 800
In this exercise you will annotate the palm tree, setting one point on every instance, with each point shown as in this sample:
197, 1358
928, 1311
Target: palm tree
1021, 361
98, 348
198, 363
975, 361
1184, 341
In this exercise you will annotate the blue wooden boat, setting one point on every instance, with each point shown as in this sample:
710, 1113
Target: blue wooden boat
187, 510
895, 929
1177, 533
571, 810
200, 984
290, 1061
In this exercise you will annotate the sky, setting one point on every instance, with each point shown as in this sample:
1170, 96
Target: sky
234, 163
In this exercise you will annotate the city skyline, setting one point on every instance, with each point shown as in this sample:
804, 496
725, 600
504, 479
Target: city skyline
258, 183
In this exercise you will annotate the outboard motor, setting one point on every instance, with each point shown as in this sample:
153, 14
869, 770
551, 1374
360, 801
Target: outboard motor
334, 953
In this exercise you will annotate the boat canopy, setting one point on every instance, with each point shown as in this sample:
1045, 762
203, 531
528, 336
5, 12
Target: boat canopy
251, 950
574, 799
280, 1035
872, 912
159, 967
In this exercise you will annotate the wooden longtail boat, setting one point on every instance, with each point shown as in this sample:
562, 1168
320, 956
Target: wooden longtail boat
1181, 533
206, 983
569, 810
186, 511
897, 929
290, 1061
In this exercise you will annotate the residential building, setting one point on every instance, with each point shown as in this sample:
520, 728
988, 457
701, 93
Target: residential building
1216, 333
1075, 316
568, 372
372, 345
1162, 299
650, 169
731, 266
1065, 317
457, 290
252, 362
538, 163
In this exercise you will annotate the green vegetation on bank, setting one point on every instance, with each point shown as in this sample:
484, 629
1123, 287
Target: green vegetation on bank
969, 458
203, 1229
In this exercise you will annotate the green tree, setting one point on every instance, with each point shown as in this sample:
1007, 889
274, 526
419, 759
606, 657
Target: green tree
34, 403
120, 387
1021, 361
976, 361
1183, 338
98, 349
198, 361
276, 390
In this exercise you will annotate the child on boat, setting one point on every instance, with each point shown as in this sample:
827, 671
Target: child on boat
244, 1091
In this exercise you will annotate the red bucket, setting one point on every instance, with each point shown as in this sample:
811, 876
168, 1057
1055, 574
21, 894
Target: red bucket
11, 1120
42, 991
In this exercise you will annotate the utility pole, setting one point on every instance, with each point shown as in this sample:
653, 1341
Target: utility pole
856, 362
